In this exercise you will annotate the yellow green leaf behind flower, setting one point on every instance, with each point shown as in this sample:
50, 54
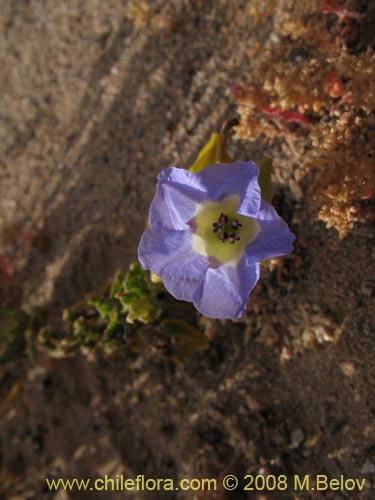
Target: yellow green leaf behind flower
264, 179
215, 151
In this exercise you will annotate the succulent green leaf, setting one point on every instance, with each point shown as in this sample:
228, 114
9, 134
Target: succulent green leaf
117, 285
105, 307
143, 310
136, 281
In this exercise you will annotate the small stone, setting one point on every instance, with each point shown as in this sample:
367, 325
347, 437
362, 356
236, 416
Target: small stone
297, 437
368, 467
286, 354
348, 368
367, 289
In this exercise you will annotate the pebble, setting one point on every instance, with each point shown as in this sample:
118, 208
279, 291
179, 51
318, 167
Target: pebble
297, 437
367, 289
368, 467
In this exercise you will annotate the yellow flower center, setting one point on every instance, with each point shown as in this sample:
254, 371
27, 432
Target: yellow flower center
220, 232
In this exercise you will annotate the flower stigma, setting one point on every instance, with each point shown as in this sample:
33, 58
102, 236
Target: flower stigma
216, 223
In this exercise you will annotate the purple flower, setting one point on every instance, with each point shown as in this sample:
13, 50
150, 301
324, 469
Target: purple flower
208, 232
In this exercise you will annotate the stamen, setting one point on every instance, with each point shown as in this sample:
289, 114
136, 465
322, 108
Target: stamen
224, 225
235, 224
217, 227
234, 237
223, 237
223, 219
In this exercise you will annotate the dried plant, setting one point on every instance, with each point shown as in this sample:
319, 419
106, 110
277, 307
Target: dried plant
313, 82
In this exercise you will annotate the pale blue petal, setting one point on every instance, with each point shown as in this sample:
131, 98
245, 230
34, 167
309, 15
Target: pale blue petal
267, 211
183, 276
159, 246
190, 183
238, 178
171, 208
177, 195
169, 254
274, 238
225, 290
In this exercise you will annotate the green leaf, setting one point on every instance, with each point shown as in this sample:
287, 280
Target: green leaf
136, 280
144, 310
126, 298
215, 151
105, 307
117, 284
264, 179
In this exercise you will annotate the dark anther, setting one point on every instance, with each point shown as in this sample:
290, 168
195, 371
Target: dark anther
236, 225
224, 225
217, 227
223, 219
234, 237
223, 237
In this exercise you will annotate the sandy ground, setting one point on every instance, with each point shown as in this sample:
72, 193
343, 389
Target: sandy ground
96, 99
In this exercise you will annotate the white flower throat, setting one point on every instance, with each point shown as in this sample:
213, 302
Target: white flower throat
220, 232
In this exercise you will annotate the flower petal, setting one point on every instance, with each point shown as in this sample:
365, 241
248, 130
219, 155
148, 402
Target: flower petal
225, 291
177, 194
169, 254
159, 246
274, 238
187, 181
184, 276
239, 178
179, 191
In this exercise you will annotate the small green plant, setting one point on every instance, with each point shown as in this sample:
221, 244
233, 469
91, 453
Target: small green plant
132, 313
140, 298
